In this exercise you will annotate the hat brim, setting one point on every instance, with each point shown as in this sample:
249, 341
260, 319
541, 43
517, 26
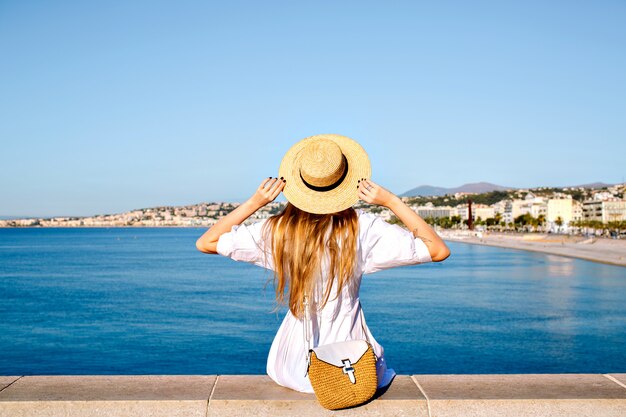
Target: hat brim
322, 202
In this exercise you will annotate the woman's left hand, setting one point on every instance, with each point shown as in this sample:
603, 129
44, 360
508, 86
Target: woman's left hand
268, 191
372, 193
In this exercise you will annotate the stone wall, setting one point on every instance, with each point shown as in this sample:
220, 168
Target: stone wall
569, 395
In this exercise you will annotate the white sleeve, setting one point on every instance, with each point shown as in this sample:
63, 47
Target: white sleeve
386, 245
244, 243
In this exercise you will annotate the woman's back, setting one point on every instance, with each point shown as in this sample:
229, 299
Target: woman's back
380, 245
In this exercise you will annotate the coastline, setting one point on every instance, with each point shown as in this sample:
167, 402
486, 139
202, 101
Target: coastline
596, 249
603, 250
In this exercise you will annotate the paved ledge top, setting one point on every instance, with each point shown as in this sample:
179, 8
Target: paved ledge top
243, 395
108, 388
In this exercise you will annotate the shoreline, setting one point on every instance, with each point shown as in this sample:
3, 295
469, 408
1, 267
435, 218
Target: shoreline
594, 249
602, 250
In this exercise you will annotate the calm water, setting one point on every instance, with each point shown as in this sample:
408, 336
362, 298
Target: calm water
145, 301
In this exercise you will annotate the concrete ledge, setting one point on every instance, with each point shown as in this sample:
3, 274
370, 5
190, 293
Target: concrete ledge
523, 395
107, 395
257, 395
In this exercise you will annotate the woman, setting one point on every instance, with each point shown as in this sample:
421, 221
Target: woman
319, 246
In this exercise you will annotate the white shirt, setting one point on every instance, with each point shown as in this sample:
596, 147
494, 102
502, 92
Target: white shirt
381, 245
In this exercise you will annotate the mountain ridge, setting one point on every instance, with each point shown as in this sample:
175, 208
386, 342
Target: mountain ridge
482, 187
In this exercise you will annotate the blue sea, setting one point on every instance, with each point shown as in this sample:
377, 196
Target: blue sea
145, 301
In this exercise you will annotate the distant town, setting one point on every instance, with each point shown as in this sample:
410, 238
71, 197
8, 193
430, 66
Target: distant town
558, 210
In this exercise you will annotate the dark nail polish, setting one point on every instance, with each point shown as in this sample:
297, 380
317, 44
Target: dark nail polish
284, 180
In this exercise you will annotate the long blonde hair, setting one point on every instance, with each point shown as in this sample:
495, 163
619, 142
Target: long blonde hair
298, 243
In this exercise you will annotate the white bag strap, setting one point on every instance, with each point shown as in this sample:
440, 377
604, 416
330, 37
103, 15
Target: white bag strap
308, 336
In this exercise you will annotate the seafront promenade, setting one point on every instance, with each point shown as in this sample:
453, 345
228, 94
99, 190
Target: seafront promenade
530, 395
604, 250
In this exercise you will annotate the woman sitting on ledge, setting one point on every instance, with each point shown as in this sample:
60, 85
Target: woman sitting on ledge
319, 246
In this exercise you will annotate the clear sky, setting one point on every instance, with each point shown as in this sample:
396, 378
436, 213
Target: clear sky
111, 106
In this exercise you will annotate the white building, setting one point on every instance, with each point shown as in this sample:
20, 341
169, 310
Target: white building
429, 210
562, 208
608, 210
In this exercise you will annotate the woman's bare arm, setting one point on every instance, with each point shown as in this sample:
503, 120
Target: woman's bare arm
207, 243
373, 193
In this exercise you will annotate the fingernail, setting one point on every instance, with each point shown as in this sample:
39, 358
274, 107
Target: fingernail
359, 181
269, 178
281, 178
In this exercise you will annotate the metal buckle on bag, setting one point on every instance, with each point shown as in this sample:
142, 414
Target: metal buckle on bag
348, 369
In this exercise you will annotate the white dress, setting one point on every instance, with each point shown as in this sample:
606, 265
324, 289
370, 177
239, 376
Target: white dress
381, 245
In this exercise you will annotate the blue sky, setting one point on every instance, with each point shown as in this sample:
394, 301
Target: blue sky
119, 105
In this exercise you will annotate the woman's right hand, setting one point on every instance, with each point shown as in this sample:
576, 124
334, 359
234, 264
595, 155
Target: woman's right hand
268, 191
372, 193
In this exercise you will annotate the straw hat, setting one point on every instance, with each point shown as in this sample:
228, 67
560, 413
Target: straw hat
323, 173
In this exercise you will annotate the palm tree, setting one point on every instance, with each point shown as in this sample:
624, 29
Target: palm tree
559, 222
541, 220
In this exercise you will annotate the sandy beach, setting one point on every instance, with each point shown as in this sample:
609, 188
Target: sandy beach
609, 251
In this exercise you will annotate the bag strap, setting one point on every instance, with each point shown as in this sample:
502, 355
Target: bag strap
308, 337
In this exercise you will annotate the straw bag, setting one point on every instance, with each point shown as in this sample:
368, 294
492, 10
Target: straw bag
342, 374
